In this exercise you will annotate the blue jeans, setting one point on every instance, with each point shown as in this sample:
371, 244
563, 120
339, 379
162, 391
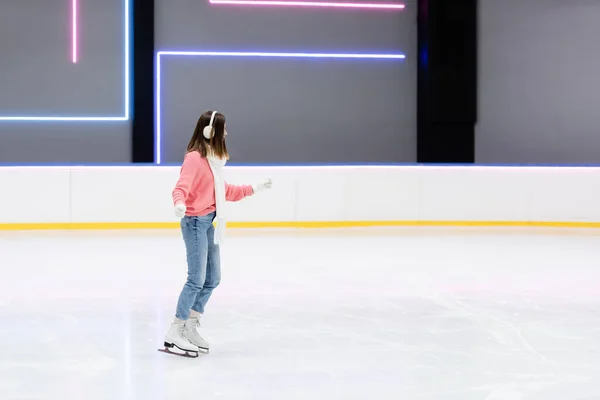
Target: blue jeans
204, 264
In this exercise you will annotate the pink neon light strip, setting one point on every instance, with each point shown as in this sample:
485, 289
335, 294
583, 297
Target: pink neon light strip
385, 6
74, 31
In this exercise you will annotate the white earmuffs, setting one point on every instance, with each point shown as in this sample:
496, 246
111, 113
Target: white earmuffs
209, 130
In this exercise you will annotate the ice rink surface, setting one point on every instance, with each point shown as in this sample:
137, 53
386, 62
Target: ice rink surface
402, 314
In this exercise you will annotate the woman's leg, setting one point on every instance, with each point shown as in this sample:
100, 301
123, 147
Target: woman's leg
211, 281
213, 272
196, 245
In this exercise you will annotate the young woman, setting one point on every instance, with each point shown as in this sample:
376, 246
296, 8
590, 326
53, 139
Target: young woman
199, 197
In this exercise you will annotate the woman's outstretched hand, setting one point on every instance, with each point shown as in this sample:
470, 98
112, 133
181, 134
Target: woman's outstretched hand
265, 184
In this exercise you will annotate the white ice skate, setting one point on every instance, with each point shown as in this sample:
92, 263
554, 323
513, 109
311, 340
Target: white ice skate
191, 333
176, 340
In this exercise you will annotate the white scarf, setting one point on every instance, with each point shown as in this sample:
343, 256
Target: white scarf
216, 165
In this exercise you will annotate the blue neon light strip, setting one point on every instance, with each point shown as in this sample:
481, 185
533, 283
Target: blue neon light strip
126, 90
158, 133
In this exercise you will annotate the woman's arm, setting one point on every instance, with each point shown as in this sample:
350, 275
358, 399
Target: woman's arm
237, 192
189, 171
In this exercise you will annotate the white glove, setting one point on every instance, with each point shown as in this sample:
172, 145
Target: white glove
265, 184
180, 210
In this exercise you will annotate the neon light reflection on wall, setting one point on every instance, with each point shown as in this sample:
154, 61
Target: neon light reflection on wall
74, 31
160, 54
384, 6
126, 75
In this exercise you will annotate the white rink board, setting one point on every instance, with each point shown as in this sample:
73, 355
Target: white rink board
123, 194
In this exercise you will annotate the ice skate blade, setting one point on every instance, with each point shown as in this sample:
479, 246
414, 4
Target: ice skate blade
186, 354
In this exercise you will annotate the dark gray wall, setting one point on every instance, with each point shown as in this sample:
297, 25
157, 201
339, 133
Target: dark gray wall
37, 78
291, 110
539, 91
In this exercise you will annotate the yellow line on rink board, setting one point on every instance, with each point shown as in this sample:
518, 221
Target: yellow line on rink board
291, 224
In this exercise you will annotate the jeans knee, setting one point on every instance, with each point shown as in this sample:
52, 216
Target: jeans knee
194, 286
212, 284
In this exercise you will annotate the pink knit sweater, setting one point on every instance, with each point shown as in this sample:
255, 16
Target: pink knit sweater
196, 188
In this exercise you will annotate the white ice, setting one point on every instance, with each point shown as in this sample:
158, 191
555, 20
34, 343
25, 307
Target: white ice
356, 314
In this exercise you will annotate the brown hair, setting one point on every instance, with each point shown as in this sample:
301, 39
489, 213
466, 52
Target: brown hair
217, 143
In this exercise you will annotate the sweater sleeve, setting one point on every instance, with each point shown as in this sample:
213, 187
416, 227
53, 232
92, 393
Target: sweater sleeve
237, 193
189, 172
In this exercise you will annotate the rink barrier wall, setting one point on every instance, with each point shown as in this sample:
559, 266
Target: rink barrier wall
139, 197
